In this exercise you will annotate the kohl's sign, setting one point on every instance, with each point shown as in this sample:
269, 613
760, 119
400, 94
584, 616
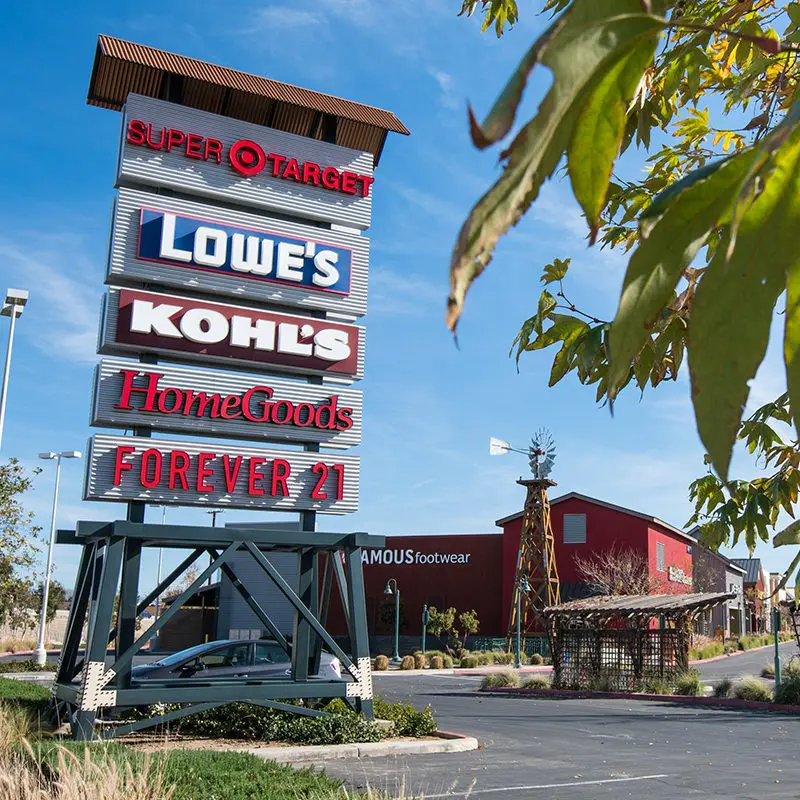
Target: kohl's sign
411, 556
184, 241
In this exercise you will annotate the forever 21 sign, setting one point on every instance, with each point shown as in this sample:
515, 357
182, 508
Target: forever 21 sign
220, 285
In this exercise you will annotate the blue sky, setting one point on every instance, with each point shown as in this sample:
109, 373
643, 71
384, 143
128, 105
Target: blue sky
429, 407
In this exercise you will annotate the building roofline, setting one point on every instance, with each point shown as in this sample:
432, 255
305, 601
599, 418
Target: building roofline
605, 504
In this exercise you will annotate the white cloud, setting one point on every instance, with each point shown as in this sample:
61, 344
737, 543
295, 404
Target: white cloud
448, 96
281, 17
63, 312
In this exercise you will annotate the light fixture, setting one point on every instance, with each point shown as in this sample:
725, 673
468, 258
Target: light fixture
388, 589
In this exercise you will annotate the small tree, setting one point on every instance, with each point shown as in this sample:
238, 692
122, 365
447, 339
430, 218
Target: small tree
56, 598
468, 624
440, 623
18, 548
618, 572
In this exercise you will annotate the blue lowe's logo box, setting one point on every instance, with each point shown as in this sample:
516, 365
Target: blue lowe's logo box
183, 241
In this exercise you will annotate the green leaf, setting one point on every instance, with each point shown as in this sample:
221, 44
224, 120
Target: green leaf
599, 129
733, 306
582, 45
556, 271
658, 263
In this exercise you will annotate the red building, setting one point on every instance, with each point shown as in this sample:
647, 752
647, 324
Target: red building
477, 570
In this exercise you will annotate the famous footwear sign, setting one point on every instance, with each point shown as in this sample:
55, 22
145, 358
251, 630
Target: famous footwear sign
410, 556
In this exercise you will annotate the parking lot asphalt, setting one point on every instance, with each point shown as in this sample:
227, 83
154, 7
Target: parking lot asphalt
584, 749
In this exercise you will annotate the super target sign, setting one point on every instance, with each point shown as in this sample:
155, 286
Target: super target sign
246, 157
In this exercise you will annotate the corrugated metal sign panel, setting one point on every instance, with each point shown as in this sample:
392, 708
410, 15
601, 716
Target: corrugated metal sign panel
200, 330
203, 175
167, 398
141, 253
219, 475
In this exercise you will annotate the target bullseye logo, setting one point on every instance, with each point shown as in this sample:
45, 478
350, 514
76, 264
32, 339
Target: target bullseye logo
247, 158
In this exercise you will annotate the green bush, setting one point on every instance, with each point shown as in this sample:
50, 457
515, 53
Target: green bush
448, 661
24, 666
381, 663
536, 658
689, 683
407, 662
768, 671
729, 647
656, 685
754, 640
724, 688
503, 658
243, 721
469, 662
420, 662
437, 662
752, 688
536, 682
787, 692
407, 720
500, 680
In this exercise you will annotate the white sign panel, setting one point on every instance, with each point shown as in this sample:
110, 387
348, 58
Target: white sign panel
225, 404
158, 471
164, 144
186, 328
183, 244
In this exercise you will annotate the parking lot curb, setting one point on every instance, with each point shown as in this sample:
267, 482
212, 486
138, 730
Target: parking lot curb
444, 742
720, 702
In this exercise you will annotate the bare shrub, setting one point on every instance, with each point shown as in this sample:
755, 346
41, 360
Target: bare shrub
618, 571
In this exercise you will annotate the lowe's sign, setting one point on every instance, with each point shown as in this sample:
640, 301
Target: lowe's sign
183, 241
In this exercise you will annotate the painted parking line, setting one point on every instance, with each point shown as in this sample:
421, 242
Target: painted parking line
473, 791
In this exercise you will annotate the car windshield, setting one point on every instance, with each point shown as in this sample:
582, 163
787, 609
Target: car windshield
190, 652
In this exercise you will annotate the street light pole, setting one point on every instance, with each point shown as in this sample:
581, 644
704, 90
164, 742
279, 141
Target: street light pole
14, 304
396, 593
40, 654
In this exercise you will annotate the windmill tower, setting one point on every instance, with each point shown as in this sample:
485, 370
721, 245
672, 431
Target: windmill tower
536, 583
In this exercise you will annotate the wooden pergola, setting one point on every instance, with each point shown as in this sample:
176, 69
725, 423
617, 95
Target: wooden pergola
621, 642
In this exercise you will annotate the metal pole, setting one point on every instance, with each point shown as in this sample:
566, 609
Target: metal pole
396, 658
776, 624
160, 563
41, 653
518, 654
7, 370
424, 626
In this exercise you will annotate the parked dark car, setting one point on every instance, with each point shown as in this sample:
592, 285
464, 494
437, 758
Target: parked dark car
230, 658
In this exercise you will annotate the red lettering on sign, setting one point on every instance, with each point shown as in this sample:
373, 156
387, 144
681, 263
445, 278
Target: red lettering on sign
231, 407
254, 477
317, 492
177, 470
150, 458
247, 158
120, 465
231, 475
281, 470
204, 472
339, 470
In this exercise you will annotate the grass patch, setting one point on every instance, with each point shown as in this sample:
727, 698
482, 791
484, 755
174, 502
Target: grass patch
787, 693
536, 682
209, 775
689, 684
500, 680
724, 688
752, 688
29, 665
30, 697
708, 650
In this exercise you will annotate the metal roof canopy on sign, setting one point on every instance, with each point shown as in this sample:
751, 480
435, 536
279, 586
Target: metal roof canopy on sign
122, 67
